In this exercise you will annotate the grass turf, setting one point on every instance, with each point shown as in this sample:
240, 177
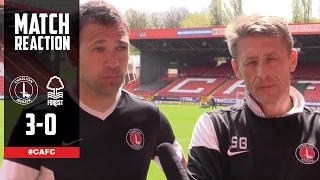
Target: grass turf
181, 117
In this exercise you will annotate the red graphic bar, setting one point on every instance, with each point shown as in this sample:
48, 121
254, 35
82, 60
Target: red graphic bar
41, 152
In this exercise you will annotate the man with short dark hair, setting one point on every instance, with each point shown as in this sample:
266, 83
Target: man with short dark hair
119, 131
272, 135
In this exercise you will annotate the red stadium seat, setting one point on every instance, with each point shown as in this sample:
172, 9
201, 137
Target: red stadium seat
192, 87
227, 90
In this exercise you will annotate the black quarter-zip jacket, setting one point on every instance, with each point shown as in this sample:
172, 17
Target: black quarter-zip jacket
236, 144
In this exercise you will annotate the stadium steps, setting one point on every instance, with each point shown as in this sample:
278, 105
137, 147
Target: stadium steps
156, 93
217, 89
132, 85
22, 71
208, 70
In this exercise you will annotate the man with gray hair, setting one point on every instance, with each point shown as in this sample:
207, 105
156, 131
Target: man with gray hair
272, 135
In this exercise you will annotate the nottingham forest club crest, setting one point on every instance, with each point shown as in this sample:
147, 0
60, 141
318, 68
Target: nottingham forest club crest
135, 139
307, 153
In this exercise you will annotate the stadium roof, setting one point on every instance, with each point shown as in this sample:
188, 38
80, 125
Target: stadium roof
211, 39
211, 32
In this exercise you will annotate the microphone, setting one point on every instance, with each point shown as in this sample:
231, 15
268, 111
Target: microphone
170, 162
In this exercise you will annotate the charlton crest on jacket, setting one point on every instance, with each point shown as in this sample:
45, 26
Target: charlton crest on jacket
135, 139
307, 153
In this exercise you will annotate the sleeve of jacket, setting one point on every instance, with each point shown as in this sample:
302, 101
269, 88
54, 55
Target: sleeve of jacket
205, 160
166, 134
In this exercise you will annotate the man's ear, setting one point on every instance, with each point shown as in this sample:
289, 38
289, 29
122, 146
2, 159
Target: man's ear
293, 60
73, 56
235, 68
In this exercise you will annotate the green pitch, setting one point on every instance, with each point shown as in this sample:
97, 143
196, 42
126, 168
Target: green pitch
181, 117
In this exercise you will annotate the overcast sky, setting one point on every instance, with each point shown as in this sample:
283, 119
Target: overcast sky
264, 7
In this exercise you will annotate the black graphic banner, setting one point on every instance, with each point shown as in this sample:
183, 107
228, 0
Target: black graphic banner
41, 120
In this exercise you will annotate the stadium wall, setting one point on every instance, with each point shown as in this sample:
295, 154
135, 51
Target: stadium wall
154, 65
219, 101
189, 61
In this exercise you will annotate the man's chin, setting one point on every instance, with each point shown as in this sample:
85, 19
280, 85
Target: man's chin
268, 100
109, 90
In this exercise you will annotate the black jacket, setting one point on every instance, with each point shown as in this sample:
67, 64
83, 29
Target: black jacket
235, 144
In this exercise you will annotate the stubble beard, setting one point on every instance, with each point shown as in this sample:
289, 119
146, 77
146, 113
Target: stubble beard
103, 88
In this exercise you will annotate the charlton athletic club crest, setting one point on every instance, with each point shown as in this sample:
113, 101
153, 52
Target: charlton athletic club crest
135, 139
23, 90
307, 153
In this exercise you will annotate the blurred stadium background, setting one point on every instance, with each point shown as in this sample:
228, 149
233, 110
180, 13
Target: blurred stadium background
179, 69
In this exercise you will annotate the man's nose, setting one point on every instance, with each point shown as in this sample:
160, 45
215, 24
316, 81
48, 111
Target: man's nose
262, 70
111, 61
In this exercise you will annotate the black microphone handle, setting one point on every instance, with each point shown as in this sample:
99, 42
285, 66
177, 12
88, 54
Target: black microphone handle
171, 163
